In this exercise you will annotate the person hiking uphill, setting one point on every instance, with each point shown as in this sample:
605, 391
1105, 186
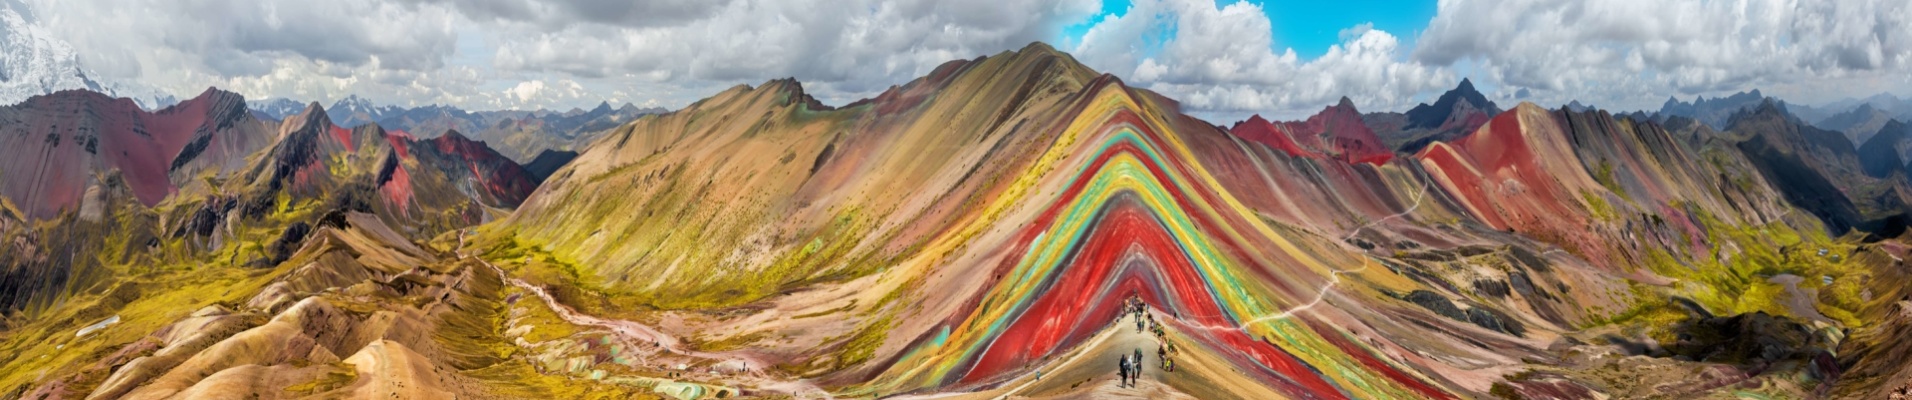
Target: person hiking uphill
1122, 372
1136, 374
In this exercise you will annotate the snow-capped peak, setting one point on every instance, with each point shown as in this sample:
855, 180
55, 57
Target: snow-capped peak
277, 108
33, 62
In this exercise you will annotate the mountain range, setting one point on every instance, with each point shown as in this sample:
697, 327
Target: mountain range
986, 230
520, 135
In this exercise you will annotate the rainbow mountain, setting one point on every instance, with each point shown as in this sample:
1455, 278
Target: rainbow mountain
980, 232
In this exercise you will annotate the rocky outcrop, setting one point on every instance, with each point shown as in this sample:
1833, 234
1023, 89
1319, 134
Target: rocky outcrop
333, 328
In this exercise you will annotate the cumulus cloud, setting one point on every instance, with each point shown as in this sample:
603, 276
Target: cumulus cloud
536, 93
670, 50
311, 50
850, 47
554, 14
1221, 62
1634, 53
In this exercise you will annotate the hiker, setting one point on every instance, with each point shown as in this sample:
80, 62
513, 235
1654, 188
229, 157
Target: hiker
1135, 370
1123, 372
1138, 362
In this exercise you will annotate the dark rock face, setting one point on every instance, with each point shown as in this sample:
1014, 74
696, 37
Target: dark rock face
287, 243
205, 220
1491, 288
1478, 315
548, 162
1747, 339
1436, 303
1434, 115
1454, 115
1495, 321
1880, 155
300, 146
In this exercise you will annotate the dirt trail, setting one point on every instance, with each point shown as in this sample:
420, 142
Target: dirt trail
638, 335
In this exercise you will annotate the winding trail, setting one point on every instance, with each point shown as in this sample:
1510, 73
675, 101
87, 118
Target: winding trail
635, 334
1333, 278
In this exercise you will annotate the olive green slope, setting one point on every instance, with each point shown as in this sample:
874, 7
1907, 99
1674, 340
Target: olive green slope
759, 190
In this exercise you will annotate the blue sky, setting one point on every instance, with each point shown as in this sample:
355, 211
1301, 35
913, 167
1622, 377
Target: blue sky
1309, 27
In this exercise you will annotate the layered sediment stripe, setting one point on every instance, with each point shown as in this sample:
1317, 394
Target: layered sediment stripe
1143, 218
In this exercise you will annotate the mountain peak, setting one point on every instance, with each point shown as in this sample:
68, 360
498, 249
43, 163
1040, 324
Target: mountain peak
1039, 47
1893, 125
1345, 103
1433, 115
1767, 105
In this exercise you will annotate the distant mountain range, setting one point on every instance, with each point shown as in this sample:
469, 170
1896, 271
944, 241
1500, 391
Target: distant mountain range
1713, 112
520, 135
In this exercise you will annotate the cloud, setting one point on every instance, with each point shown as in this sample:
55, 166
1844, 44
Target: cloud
673, 51
554, 14
854, 47
243, 37
535, 94
1634, 53
1220, 61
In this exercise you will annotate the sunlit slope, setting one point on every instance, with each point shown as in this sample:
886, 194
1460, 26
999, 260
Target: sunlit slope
754, 190
1008, 235
987, 221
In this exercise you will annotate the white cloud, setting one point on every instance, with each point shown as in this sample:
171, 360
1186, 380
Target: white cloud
1632, 54
843, 48
658, 52
1220, 61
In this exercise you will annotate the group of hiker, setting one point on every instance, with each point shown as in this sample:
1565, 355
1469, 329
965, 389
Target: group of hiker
1131, 364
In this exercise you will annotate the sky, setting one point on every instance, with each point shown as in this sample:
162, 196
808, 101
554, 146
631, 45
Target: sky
1224, 60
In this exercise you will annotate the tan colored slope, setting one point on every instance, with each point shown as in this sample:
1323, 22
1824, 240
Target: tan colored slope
354, 315
755, 189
